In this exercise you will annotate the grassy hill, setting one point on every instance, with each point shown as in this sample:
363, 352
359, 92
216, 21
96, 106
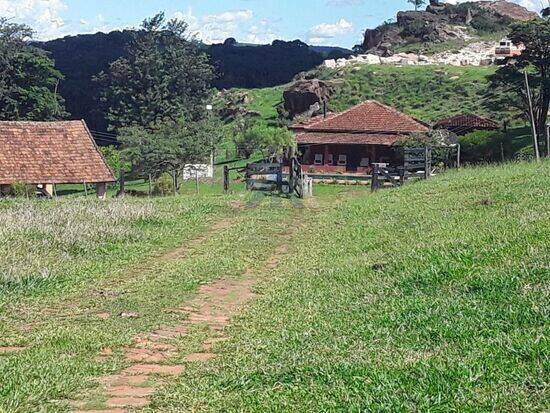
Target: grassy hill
431, 297
426, 92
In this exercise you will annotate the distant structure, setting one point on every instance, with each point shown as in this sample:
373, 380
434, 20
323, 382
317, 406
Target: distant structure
49, 153
353, 141
464, 124
506, 48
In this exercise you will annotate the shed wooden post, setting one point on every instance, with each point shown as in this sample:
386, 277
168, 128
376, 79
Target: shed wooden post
101, 190
49, 190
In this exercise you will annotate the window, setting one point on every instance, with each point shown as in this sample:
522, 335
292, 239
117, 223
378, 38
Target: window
318, 159
342, 160
330, 159
365, 162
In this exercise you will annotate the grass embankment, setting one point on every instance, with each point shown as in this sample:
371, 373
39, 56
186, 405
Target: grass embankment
433, 297
429, 93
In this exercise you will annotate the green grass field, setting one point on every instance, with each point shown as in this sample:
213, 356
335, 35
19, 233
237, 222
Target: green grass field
429, 93
432, 297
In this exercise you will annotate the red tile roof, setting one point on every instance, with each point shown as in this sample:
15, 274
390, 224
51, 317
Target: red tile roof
320, 138
369, 116
50, 153
467, 121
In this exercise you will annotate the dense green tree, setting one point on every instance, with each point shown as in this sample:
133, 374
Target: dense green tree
508, 89
268, 141
164, 76
28, 79
169, 145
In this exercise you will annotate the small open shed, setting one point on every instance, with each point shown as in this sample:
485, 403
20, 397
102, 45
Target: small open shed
50, 153
466, 123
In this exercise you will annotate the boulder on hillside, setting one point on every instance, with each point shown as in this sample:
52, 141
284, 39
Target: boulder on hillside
507, 9
305, 94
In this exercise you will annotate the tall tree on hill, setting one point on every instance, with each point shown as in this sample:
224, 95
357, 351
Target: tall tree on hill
28, 79
507, 86
417, 3
164, 76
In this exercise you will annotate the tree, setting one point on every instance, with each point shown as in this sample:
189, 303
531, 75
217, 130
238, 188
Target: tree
28, 78
507, 85
114, 159
266, 140
165, 76
169, 145
417, 3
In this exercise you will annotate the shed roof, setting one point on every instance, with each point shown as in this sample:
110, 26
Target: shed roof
50, 153
370, 116
467, 121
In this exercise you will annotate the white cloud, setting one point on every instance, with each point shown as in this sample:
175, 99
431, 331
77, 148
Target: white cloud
215, 28
325, 33
44, 16
261, 33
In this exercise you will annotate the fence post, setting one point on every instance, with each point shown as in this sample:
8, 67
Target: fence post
280, 179
374, 182
427, 165
122, 182
225, 179
197, 180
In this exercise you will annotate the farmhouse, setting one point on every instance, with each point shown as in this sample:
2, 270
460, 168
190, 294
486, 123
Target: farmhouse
50, 153
463, 124
352, 141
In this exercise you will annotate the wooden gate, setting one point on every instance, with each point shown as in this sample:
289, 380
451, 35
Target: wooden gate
264, 176
268, 176
296, 178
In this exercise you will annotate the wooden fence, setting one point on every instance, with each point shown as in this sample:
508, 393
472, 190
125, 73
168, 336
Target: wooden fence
415, 160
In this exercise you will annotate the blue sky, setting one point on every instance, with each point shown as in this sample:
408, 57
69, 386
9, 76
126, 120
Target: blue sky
320, 22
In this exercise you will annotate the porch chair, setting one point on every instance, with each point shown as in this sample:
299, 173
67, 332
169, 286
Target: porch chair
342, 160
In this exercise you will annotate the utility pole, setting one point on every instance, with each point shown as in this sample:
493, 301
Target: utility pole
532, 116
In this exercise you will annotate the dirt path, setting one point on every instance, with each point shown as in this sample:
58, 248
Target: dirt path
154, 359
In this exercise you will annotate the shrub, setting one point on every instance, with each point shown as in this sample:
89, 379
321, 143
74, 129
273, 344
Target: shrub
20, 190
163, 185
483, 146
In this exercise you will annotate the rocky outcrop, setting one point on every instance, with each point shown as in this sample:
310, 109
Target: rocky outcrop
441, 22
306, 95
475, 54
507, 9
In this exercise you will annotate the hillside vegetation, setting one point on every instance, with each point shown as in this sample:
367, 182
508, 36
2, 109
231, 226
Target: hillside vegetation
433, 297
426, 92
